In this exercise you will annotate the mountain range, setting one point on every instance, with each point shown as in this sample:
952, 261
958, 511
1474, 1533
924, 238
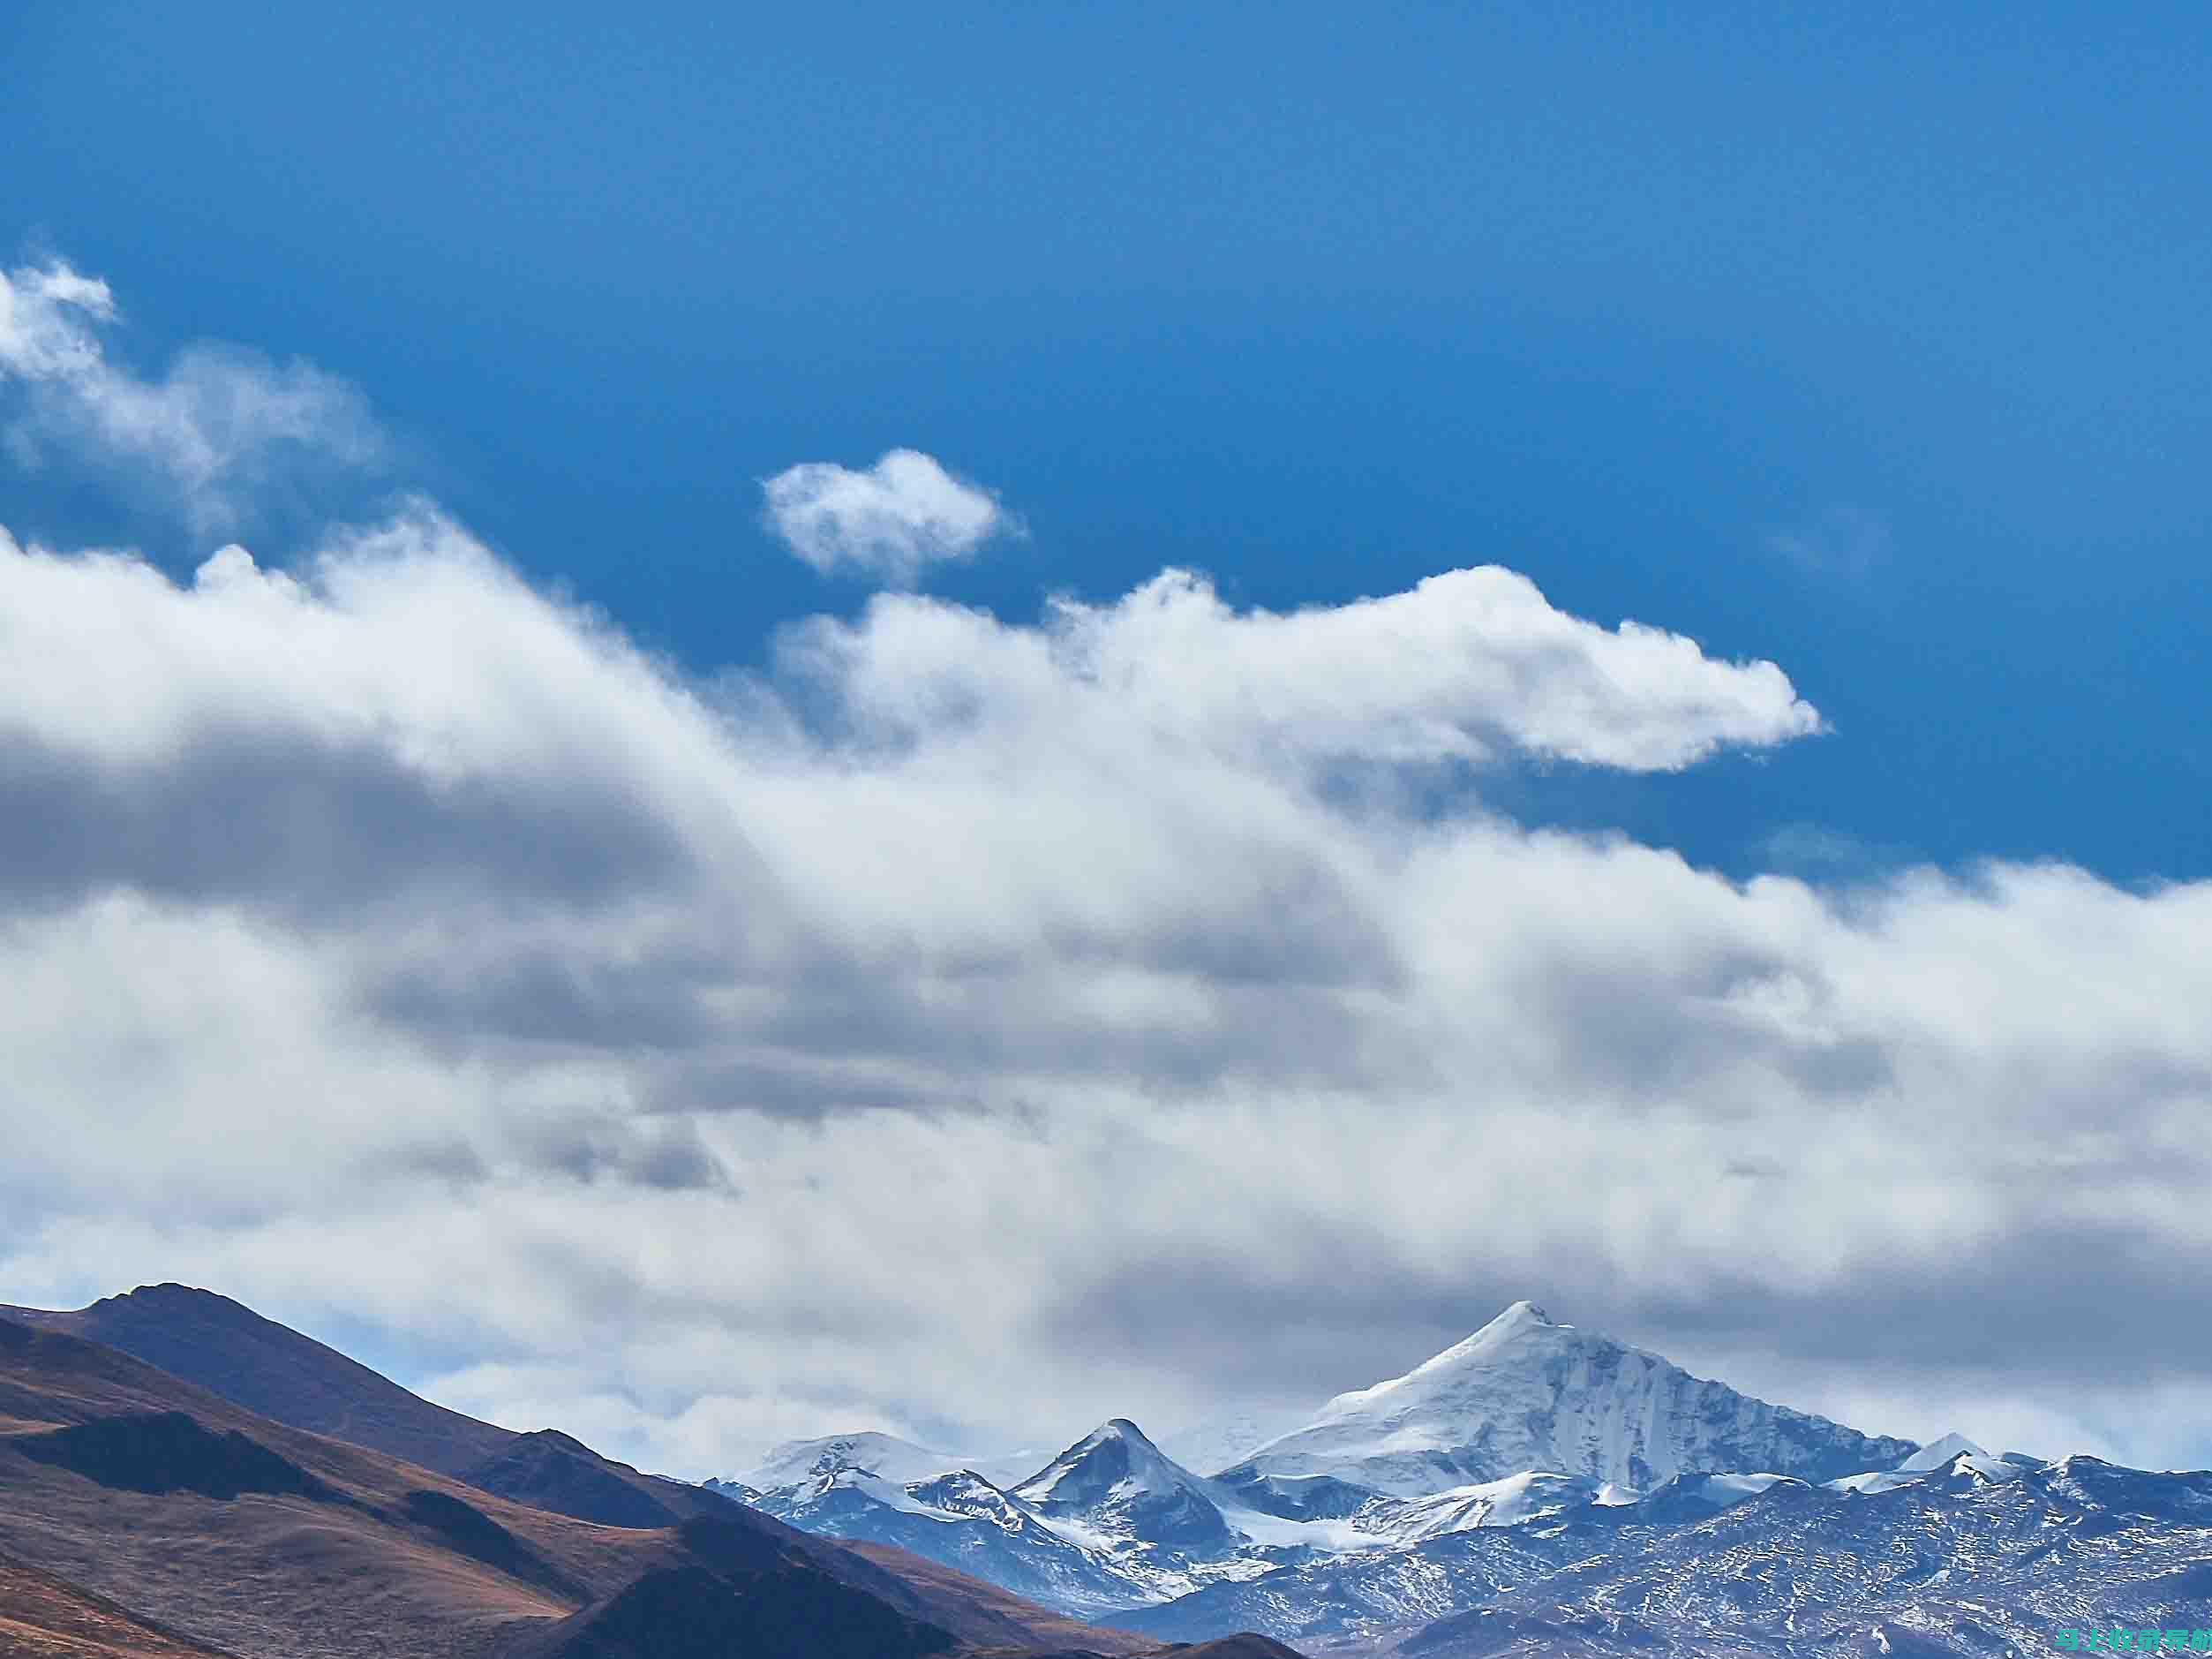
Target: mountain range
182, 1479
1539, 1489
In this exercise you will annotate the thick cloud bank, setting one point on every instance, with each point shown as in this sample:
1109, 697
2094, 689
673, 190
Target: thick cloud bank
975, 1029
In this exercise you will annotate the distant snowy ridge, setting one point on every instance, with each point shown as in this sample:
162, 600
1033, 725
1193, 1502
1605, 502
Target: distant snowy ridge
1636, 1508
1215, 1443
885, 1456
1593, 1439
1947, 1564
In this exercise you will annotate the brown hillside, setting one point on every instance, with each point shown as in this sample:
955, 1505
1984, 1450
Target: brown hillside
275, 1372
43, 1617
195, 1520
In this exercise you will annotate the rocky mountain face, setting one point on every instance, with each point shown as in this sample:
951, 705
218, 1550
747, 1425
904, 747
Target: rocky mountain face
1952, 1562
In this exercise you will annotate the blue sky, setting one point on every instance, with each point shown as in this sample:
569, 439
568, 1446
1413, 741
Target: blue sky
1869, 342
1069, 987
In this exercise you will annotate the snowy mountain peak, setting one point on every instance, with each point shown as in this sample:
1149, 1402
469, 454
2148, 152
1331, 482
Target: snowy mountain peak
1122, 1490
1115, 1454
1525, 1393
1514, 1331
1937, 1453
884, 1455
1522, 1322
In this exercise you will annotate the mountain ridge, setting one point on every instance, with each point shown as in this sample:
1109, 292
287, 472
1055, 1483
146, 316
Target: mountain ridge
276, 1372
1939, 1550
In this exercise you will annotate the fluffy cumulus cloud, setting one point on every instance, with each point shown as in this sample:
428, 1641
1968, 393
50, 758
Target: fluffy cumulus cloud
887, 522
1470, 665
213, 436
973, 1030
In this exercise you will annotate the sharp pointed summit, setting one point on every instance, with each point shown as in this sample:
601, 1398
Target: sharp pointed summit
1526, 1392
1522, 1322
1120, 1487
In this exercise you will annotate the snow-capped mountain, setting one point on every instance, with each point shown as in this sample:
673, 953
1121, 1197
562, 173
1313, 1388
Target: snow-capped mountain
1540, 1490
1515, 1501
1935, 1454
1118, 1490
1525, 1393
964, 1521
1953, 1456
1109, 1524
1948, 1564
886, 1456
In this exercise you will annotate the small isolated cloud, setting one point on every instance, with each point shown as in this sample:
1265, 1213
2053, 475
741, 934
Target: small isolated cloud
212, 435
905, 512
1840, 541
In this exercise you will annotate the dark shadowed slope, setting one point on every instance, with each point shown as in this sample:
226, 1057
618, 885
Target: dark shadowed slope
1022, 1622
689, 1611
162, 1451
552, 1471
275, 1372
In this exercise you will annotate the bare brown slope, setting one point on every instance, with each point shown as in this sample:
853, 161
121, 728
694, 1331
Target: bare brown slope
276, 1372
225, 1348
247, 1535
267, 1540
42, 1616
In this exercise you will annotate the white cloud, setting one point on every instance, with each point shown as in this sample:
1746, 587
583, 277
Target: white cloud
43, 318
1467, 666
982, 1029
986, 1027
902, 514
211, 434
